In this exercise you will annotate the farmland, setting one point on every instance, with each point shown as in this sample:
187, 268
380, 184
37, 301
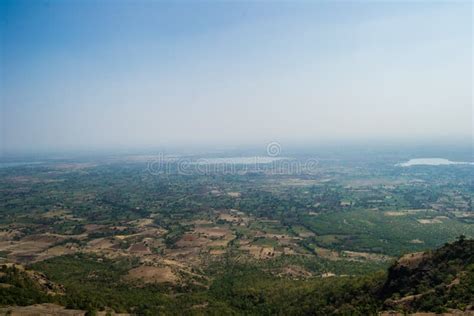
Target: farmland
149, 235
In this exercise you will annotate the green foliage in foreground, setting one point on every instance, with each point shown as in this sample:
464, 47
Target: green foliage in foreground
444, 278
17, 288
255, 293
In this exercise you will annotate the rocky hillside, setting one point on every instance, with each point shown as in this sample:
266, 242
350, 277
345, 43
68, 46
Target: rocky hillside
438, 281
432, 281
20, 286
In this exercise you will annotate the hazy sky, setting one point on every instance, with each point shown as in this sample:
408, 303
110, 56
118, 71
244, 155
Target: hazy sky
88, 74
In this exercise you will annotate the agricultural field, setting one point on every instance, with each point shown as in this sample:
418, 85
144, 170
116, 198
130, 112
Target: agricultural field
142, 235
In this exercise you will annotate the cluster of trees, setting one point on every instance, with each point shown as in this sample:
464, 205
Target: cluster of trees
17, 288
94, 283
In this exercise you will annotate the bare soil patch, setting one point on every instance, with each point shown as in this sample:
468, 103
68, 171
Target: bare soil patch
150, 274
234, 194
411, 260
365, 256
429, 221
139, 248
41, 310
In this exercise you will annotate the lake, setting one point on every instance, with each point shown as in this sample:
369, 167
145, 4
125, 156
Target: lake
237, 160
432, 162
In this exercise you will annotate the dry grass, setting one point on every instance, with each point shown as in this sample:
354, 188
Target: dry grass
150, 274
429, 221
365, 256
234, 194
411, 260
41, 310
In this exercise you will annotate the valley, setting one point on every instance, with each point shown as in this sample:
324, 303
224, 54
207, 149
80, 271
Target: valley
169, 233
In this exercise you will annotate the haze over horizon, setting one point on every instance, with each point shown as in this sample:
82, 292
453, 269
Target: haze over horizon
101, 74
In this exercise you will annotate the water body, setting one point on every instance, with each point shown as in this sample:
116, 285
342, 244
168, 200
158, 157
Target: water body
237, 160
432, 162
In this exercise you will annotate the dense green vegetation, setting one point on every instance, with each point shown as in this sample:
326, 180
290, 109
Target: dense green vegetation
93, 283
443, 278
17, 288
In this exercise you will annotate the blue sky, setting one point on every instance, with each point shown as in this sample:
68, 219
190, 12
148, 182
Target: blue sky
95, 74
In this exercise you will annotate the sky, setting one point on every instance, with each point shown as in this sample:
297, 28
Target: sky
115, 74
